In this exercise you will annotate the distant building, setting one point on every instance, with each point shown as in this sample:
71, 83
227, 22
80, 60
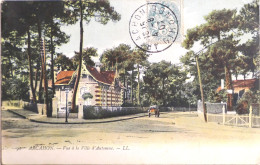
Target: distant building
242, 86
246, 85
102, 87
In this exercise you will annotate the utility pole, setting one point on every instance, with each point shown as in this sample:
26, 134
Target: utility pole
201, 90
46, 101
200, 82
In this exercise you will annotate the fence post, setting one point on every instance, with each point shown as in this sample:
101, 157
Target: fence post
224, 114
236, 119
250, 116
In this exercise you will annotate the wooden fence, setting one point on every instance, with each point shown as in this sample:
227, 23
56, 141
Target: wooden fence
245, 120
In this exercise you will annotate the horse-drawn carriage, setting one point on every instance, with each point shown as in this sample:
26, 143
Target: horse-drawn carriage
154, 110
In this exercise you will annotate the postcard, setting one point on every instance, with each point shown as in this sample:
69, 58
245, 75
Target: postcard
130, 82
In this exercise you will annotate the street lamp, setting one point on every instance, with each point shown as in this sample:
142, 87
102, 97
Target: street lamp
66, 91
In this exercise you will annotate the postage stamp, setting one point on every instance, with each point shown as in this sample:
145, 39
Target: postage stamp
155, 26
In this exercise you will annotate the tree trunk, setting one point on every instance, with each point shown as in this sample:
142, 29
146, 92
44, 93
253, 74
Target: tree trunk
30, 66
163, 92
124, 98
73, 102
52, 66
40, 84
138, 85
36, 75
229, 87
132, 87
11, 67
236, 75
46, 100
52, 61
42, 66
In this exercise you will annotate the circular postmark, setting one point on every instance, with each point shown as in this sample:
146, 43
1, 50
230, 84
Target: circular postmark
153, 27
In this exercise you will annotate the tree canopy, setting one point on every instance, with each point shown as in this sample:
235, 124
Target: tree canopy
226, 53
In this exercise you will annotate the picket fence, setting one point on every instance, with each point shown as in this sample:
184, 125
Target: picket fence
251, 120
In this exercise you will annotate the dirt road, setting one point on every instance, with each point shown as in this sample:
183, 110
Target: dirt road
173, 138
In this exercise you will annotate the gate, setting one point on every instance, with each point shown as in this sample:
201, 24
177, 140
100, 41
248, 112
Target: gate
238, 120
247, 120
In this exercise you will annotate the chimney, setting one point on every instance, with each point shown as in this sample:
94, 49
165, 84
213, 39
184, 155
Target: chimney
222, 84
98, 66
57, 70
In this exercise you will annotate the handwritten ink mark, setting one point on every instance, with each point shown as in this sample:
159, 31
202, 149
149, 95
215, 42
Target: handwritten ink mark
68, 141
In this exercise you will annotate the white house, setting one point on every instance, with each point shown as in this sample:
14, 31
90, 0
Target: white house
102, 87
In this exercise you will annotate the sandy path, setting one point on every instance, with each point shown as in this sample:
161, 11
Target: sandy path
172, 138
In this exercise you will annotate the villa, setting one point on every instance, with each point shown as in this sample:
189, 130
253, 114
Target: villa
102, 87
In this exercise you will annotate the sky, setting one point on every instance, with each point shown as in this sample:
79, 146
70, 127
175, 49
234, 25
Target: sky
112, 34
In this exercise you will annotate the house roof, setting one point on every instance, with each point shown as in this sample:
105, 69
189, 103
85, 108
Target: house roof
239, 84
250, 83
105, 76
63, 77
109, 75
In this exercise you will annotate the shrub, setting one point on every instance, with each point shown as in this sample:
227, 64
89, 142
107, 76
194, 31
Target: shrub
15, 89
250, 96
87, 95
31, 107
246, 100
242, 107
217, 97
90, 112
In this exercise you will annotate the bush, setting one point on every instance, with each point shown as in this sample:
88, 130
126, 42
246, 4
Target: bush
129, 105
217, 97
242, 107
250, 96
89, 112
31, 107
15, 89
76, 109
246, 100
87, 95
99, 113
